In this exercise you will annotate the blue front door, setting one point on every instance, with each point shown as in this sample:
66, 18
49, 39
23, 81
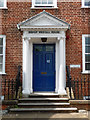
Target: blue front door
43, 67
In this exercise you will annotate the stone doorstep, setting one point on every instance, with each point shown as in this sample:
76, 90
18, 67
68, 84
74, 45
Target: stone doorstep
37, 94
27, 104
41, 109
44, 94
43, 99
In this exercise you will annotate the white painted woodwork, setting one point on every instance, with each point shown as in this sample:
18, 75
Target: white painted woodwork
3, 54
35, 5
26, 66
84, 71
62, 80
44, 22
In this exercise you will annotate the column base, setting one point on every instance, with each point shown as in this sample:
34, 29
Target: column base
31, 91
26, 92
62, 92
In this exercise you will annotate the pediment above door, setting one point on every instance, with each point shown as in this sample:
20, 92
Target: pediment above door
43, 20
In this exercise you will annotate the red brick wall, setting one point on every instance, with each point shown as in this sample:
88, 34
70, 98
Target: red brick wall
71, 12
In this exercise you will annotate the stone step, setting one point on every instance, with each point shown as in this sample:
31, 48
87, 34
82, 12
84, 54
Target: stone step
60, 110
43, 105
43, 100
47, 95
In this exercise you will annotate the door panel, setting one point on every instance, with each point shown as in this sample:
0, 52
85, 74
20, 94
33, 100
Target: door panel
44, 68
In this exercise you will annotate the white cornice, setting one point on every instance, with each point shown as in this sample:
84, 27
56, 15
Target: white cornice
42, 28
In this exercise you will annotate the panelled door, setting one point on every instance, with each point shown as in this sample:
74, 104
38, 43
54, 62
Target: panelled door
43, 67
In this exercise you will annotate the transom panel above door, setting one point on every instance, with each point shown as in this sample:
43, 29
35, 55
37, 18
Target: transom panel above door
43, 67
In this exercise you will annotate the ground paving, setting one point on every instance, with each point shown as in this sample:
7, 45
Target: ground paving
47, 116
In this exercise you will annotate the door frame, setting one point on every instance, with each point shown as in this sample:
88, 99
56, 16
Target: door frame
28, 41
54, 63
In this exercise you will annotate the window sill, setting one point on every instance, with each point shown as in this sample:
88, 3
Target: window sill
2, 73
44, 7
3, 8
85, 7
86, 72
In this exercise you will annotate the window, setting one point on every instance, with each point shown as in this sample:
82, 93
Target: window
49, 48
3, 3
86, 3
2, 53
86, 53
38, 48
44, 3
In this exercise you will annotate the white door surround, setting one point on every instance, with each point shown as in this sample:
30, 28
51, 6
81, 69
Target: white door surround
44, 25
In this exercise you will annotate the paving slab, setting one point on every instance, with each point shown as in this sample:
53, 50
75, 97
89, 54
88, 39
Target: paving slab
46, 116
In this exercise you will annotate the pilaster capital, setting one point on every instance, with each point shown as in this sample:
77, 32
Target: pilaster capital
27, 38
61, 38
62, 32
58, 38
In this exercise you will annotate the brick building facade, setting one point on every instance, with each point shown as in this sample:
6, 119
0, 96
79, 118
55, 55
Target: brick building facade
75, 14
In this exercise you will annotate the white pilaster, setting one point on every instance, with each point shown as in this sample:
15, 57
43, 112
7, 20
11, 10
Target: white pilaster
57, 66
31, 67
65, 61
62, 80
26, 66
